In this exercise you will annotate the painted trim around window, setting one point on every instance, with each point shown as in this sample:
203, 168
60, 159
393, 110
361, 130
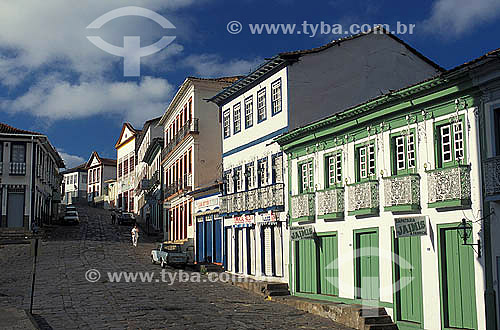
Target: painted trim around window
273, 113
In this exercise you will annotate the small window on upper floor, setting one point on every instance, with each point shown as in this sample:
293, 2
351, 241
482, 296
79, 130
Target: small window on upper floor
496, 130
365, 161
262, 172
403, 153
261, 105
236, 118
450, 146
227, 124
333, 169
249, 176
306, 176
18, 153
276, 97
249, 112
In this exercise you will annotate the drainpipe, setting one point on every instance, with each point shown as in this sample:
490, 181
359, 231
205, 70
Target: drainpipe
489, 293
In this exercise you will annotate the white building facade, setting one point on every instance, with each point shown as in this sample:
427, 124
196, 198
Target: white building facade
99, 170
192, 152
289, 90
125, 169
74, 185
30, 183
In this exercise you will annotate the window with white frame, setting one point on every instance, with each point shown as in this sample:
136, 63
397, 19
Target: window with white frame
227, 124
403, 153
249, 175
334, 169
249, 112
365, 161
277, 168
238, 179
306, 176
276, 96
262, 172
236, 118
451, 143
261, 105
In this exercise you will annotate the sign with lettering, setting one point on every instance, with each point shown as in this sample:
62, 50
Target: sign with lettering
244, 220
301, 232
268, 217
410, 226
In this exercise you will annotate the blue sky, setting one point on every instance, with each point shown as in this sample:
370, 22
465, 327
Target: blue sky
53, 80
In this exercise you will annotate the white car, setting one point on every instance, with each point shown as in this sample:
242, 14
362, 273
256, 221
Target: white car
71, 217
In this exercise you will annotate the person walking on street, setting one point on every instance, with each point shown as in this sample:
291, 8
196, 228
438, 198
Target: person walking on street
113, 217
135, 235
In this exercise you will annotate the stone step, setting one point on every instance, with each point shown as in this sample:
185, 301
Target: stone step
391, 326
386, 319
276, 293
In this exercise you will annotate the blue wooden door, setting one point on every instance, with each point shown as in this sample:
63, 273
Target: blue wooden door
200, 241
209, 239
218, 240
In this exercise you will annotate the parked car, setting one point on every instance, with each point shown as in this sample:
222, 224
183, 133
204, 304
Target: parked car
71, 217
126, 218
169, 254
70, 208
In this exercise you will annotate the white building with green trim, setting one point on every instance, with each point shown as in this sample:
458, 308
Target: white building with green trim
395, 191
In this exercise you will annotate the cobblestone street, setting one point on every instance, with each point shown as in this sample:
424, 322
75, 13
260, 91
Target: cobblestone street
64, 299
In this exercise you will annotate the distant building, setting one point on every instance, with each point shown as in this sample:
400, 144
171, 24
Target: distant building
148, 176
30, 183
74, 185
99, 170
126, 163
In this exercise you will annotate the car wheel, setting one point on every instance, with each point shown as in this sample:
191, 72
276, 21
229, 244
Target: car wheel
152, 260
163, 264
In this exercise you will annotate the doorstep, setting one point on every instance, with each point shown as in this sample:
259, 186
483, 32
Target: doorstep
353, 316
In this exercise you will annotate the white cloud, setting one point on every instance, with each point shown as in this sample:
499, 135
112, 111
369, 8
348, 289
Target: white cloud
46, 32
55, 99
210, 65
454, 17
71, 160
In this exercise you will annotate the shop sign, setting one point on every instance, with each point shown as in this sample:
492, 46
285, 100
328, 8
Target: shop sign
244, 220
301, 232
410, 226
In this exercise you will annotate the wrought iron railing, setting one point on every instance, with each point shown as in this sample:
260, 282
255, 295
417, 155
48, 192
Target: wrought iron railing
191, 126
185, 184
449, 184
363, 197
331, 202
17, 168
303, 206
402, 191
491, 167
272, 196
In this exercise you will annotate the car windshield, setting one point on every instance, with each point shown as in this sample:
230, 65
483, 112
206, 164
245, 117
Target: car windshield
127, 216
171, 248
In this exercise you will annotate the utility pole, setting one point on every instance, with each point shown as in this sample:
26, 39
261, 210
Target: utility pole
34, 249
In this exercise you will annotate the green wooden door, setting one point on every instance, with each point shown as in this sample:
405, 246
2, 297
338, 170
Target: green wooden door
306, 266
458, 297
408, 282
328, 270
366, 266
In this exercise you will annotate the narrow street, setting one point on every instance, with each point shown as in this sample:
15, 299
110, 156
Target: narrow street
64, 299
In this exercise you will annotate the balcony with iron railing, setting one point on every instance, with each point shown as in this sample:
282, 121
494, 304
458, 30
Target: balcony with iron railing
449, 187
189, 128
17, 169
271, 197
363, 198
491, 170
186, 184
1, 168
303, 207
331, 203
402, 193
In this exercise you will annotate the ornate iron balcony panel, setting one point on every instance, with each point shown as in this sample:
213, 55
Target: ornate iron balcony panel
491, 168
402, 192
303, 208
331, 203
363, 198
17, 168
449, 187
